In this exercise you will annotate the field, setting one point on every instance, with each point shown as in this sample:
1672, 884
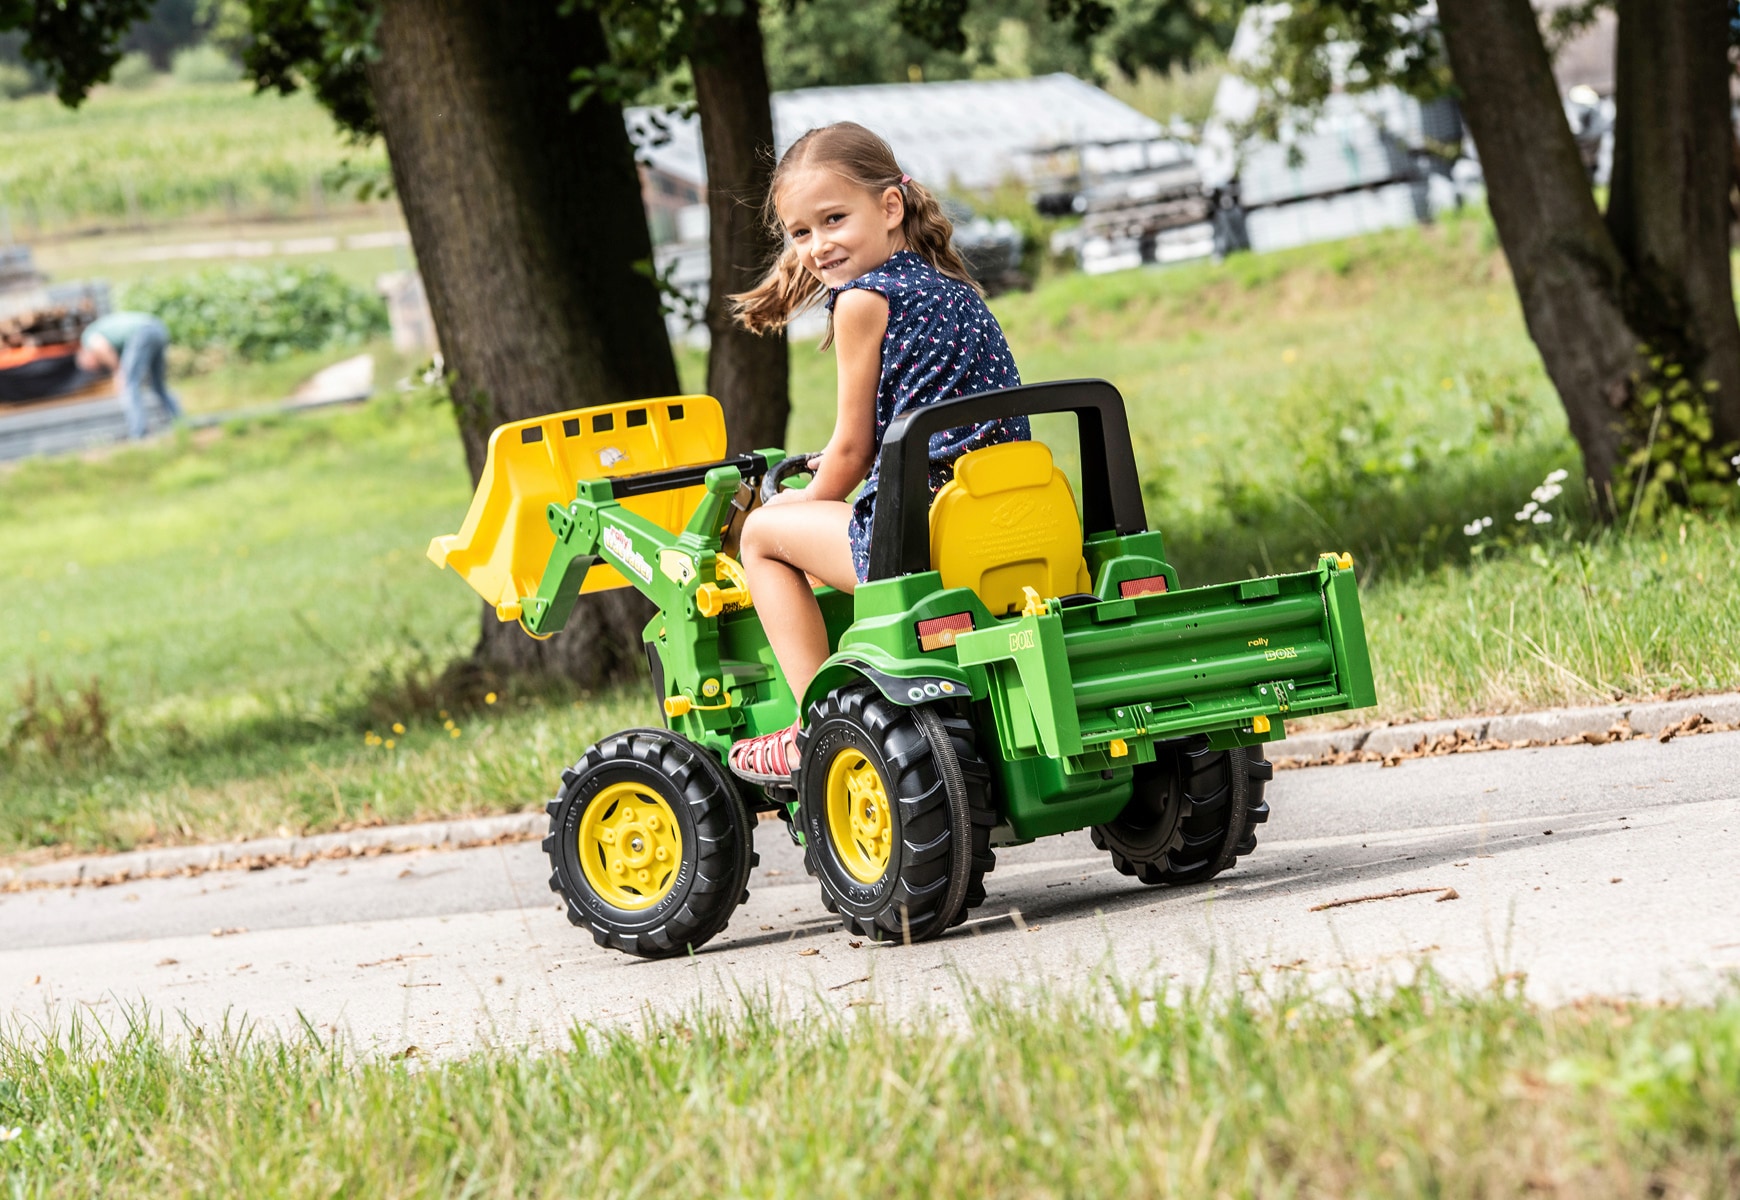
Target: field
250, 602
173, 152
1125, 1092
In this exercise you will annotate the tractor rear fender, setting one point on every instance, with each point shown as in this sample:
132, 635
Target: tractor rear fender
902, 682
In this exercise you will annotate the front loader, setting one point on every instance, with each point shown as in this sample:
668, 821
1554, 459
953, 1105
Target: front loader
1013, 667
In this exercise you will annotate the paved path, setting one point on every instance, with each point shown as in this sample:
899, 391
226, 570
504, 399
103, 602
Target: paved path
1635, 890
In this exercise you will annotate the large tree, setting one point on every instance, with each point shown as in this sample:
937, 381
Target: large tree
524, 211
1632, 309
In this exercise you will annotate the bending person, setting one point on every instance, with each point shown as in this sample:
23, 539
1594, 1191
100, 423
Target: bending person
132, 345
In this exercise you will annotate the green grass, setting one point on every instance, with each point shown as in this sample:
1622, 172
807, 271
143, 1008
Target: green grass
1416, 1092
253, 600
171, 151
234, 387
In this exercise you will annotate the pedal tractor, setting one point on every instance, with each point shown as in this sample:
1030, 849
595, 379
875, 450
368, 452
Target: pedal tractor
1000, 677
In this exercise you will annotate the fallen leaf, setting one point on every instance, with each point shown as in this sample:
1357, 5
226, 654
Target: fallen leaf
1617, 879
408, 1052
1449, 894
766, 927
167, 962
36, 981
854, 945
807, 953
234, 929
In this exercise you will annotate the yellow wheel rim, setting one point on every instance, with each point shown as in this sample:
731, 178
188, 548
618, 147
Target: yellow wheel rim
630, 847
860, 817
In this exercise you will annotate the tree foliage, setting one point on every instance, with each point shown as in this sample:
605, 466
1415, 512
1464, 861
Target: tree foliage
77, 45
323, 44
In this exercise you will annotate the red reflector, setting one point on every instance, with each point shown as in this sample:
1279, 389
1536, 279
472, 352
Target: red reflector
1142, 587
938, 632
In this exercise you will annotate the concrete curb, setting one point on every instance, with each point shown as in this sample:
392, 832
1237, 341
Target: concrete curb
1549, 726
105, 869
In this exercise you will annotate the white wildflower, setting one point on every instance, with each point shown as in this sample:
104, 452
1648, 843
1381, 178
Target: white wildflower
1546, 493
11, 1134
1558, 476
1472, 529
1528, 510
1542, 517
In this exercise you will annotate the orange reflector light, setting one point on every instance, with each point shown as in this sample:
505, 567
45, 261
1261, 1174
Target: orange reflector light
1142, 587
938, 632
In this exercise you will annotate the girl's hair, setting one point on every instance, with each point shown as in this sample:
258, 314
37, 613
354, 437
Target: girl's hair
855, 154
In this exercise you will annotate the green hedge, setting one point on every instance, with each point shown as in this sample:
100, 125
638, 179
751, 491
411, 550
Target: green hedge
257, 314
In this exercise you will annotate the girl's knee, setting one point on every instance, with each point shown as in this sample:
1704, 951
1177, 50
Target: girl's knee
754, 540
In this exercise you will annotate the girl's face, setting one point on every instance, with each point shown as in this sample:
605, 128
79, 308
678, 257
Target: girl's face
839, 229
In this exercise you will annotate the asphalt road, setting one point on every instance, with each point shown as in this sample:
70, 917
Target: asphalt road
1590, 870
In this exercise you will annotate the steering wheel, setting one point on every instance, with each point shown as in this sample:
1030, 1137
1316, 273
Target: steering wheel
796, 464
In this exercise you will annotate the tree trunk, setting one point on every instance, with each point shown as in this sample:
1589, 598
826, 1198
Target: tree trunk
1668, 210
748, 374
527, 221
1570, 275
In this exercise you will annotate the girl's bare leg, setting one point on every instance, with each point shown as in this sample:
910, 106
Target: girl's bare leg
784, 544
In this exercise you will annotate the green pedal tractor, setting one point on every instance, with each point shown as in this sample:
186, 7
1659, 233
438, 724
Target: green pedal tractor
1012, 668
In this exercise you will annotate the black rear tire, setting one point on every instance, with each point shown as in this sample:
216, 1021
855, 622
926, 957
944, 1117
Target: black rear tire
1192, 815
701, 891
936, 795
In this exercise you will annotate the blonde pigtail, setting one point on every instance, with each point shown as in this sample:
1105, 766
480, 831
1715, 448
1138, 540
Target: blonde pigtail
930, 234
786, 290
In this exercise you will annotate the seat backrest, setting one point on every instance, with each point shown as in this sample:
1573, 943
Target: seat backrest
1007, 520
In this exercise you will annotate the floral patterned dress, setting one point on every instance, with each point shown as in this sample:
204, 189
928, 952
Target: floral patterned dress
942, 342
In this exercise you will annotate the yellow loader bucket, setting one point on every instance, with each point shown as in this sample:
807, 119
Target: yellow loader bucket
505, 542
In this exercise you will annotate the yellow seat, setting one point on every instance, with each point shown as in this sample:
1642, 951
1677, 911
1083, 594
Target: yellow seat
1006, 521
502, 548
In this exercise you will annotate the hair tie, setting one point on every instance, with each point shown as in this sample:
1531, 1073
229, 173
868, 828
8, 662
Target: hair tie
905, 179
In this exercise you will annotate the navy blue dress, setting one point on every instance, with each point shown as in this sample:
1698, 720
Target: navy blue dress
941, 342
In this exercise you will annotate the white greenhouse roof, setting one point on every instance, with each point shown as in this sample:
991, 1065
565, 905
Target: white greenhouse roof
970, 133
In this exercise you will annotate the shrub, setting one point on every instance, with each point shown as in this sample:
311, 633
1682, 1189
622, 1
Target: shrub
133, 72
258, 314
204, 64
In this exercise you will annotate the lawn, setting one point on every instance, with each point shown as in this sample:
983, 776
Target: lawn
252, 601
1123, 1092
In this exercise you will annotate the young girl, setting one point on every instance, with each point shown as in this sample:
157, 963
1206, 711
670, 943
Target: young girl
909, 328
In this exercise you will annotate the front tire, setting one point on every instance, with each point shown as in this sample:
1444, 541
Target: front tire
650, 844
1191, 816
895, 808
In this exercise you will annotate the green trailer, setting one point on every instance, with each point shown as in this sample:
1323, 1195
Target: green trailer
1013, 667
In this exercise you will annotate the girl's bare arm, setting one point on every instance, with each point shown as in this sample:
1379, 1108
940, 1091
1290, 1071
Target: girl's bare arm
860, 321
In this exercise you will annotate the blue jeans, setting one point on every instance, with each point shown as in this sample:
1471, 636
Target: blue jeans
142, 363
